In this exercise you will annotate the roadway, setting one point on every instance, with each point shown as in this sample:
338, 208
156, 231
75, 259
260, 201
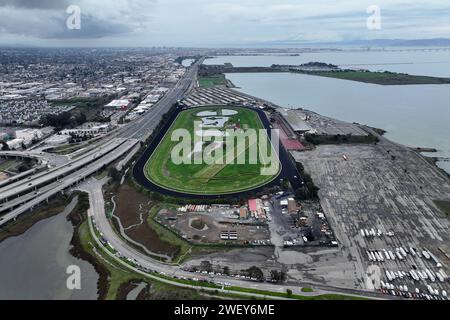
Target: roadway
97, 212
44, 158
144, 126
29, 201
24, 185
19, 200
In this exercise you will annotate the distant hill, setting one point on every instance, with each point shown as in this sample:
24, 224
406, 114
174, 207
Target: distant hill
435, 42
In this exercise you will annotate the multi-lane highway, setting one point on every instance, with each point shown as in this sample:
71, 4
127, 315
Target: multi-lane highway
48, 185
143, 127
33, 182
26, 191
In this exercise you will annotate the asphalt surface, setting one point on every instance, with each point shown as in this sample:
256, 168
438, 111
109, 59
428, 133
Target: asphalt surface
43, 194
42, 178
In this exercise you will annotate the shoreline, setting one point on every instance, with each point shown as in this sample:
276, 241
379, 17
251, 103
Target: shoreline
27, 221
77, 217
382, 132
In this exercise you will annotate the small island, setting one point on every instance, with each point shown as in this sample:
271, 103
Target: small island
366, 76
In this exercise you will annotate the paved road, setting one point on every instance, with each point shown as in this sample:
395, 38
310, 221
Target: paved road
97, 211
50, 159
143, 127
45, 177
43, 194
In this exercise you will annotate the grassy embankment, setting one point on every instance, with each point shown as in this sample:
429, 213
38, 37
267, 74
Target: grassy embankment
66, 149
382, 78
7, 164
211, 81
297, 296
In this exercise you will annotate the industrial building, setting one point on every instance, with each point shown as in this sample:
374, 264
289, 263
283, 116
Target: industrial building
119, 104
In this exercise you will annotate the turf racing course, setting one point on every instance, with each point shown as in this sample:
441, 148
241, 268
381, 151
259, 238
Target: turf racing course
156, 172
217, 178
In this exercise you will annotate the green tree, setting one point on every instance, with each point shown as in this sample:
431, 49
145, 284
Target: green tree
206, 266
256, 272
5, 146
226, 270
114, 174
277, 276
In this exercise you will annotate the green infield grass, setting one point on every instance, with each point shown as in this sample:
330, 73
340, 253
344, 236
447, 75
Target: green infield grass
217, 178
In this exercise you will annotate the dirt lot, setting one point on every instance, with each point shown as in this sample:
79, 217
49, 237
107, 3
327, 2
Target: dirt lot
186, 224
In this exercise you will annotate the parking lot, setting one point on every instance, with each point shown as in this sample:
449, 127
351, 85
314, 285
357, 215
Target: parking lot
390, 189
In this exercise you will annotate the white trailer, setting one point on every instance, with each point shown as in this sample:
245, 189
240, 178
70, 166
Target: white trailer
388, 275
391, 254
377, 256
414, 275
426, 255
403, 252
430, 289
430, 275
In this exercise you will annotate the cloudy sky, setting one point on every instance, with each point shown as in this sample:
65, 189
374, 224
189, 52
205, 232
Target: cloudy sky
216, 22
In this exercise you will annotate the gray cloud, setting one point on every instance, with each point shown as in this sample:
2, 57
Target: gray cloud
47, 20
91, 28
35, 4
205, 22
